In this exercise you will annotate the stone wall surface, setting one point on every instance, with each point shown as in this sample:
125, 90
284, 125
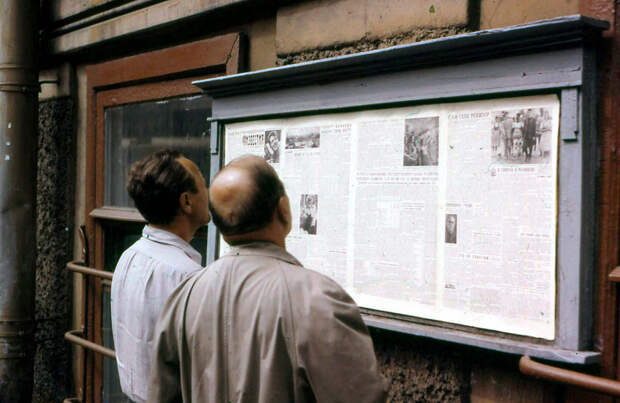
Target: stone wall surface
67, 8
133, 21
496, 378
328, 23
421, 370
367, 44
502, 13
55, 192
261, 43
62, 9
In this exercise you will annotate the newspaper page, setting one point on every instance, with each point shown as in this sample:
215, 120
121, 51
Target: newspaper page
498, 205
312, 157
444, 212
395, 221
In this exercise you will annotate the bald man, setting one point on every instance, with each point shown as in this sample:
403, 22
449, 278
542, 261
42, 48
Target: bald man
257, 326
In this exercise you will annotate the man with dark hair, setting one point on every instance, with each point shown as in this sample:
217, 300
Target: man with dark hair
171, 194
257, 326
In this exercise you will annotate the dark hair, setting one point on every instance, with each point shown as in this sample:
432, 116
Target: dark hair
256, 209
155, 184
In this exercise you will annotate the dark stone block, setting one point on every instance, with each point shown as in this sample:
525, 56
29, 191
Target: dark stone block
422, 370
55, 209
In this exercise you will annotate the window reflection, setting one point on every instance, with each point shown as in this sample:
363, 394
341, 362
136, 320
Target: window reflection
135, 130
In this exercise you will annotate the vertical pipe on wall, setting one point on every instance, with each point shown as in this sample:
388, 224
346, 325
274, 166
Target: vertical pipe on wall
18, 142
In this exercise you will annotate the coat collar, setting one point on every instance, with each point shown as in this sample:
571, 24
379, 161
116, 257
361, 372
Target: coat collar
263, 249
168, 238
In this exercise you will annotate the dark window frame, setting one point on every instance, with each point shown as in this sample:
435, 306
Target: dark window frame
148, 76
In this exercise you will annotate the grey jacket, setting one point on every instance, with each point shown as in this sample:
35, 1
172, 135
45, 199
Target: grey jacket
258, 327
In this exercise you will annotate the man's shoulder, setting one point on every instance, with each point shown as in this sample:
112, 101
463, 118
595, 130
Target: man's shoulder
127, 256
315, 285
169, 257
295, 275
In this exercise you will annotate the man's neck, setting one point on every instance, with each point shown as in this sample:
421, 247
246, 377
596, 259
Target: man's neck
258, 236
177, 228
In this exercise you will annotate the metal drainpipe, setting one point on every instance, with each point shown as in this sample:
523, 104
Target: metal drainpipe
18, 144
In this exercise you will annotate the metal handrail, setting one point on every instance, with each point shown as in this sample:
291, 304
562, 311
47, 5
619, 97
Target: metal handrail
555, 374
73, 337
78, 268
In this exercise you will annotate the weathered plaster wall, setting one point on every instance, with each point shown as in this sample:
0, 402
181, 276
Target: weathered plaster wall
55, 192
319, 29
495, 377
261, 40
502, 13
66, 8
323, 23
130, 22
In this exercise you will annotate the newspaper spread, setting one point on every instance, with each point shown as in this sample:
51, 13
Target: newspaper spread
445, 211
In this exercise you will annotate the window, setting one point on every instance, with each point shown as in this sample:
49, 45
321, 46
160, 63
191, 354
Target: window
137, 105
134, 131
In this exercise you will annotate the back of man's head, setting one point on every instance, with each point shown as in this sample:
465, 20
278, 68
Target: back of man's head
245, 195
155, 184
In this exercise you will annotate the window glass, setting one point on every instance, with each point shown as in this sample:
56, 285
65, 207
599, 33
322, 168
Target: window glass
133, 131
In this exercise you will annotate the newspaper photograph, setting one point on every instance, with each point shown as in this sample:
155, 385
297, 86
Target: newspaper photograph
450, 228
272, 146
521, 136
444, 212
421, 141
308, 217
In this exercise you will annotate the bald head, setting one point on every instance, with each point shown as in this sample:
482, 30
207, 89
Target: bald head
244, 196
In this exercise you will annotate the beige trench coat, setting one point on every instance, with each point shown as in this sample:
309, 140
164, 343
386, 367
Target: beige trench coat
258, 327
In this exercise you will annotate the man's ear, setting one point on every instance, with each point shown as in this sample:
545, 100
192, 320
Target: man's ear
284, 213
185, 203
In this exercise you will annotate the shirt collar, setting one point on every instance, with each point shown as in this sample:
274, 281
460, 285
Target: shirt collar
263, 249
168, 238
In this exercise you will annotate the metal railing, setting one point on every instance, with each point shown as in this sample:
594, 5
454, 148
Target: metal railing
548, 372
555, 374
78, 268
75, 336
